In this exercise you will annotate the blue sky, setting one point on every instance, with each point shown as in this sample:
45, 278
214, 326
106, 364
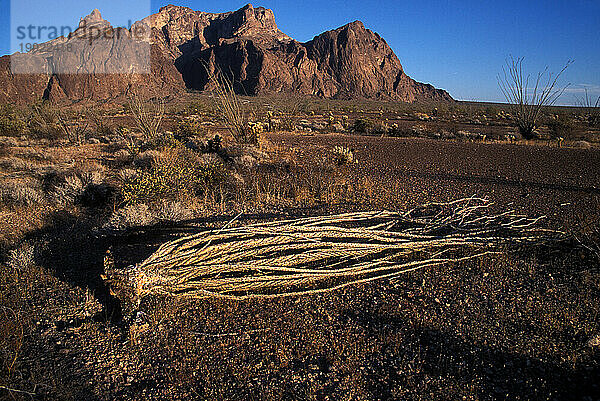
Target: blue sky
456, 45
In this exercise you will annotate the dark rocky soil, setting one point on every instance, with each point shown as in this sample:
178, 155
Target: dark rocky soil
522, 325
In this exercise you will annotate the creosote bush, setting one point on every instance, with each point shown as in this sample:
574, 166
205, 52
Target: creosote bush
561, 126
175, 173
362, 125
188, 129
11, 121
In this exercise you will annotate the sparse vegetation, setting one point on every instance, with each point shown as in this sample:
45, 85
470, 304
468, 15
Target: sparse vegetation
73, 125
342, 155
63, 204
230, 109
43, 121
527, 103
12, 122
561, 126
590, 107
176, 173
189, 129
148, 113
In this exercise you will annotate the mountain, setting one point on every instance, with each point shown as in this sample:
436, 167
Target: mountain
180, 44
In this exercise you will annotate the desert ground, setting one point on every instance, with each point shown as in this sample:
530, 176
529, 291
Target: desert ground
82, 186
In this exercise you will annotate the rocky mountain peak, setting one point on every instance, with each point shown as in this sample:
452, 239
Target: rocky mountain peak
94, 18
350, 61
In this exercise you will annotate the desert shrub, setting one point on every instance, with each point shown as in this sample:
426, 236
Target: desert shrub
369, 127
168, 211
101, 126
147, 112
4, 150
178, 172
561, 126
188, 129
342, 155
74, 124
198, 107
9, 141
12, 333
12, 122
396, 131
590, 108
43, 121
17, 164
85, 188
230, 108
134, 144
131, 215
213, 145
22, 257
162, 141
139, 215
21, 193
362, 125
582, 145
146, 158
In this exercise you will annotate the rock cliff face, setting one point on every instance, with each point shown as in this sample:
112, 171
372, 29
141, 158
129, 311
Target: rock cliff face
348, 62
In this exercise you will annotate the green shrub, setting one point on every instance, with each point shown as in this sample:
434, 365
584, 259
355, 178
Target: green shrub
188, 129
162, 141
362, 125
177, 173
43, 121
213, 145
561, 126
11, 121
369, 127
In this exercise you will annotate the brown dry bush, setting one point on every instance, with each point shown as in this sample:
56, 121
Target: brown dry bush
21, 193
11, 340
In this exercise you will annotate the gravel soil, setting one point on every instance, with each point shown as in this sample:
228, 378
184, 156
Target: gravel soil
522, 325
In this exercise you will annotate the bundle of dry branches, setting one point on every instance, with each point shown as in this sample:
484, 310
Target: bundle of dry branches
317, 254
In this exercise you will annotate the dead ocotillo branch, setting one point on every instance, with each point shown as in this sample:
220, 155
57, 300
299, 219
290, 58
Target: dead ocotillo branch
316, 254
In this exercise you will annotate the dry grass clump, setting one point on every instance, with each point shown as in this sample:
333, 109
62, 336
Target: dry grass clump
342, 155
141, 215
12, 333
77, 185
13, 163
21, 193
316, 254
22, 257
9, 141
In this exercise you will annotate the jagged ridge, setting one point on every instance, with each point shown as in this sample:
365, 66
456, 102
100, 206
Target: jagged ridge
347, 62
